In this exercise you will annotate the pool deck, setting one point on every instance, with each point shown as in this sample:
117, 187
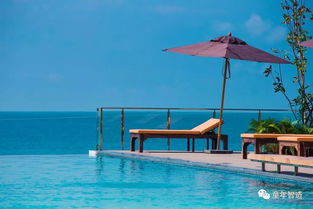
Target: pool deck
229, 162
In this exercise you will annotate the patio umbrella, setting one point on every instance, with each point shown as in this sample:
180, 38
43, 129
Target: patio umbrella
308, 43
227, 47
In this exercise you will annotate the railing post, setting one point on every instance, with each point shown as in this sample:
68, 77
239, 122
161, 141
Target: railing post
101, 130
99, 123
122, 128
214, 113
259, 115
97, 130
168, 127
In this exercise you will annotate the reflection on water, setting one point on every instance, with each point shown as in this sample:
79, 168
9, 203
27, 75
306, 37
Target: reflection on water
201, 184
68, 181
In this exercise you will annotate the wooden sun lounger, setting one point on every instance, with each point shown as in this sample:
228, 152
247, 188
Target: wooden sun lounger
301, 143
205, 130
260, 139
282, 160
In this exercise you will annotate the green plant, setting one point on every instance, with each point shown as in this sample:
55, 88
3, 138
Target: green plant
295, 17
274, 126
284, 126
302, 129
280, 127
270, 148
264, 126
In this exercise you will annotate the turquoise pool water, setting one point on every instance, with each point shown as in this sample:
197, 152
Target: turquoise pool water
77, 181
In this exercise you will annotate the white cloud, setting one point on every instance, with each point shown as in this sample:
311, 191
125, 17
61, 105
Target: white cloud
276, 34
222, 26
256, 25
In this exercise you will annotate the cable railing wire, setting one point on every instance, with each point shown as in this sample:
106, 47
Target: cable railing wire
100, 110
47, 118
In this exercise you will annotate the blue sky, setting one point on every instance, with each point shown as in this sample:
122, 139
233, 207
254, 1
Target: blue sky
82, 54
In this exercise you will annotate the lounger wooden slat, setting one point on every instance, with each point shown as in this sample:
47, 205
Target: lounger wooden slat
151, 131
262, 135
302, 144
259, 139
204, 130
282, 160
296, 138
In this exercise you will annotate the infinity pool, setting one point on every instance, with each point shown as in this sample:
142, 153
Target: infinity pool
77, 181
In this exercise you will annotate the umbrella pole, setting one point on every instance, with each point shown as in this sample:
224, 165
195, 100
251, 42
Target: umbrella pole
222, 105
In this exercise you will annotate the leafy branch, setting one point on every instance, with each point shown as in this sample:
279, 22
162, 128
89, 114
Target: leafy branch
295, 16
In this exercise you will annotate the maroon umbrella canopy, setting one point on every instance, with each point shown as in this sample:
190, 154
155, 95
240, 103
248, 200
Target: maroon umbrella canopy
227, 47
308, 43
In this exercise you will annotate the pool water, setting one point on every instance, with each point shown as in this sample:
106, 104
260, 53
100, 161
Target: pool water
78, 181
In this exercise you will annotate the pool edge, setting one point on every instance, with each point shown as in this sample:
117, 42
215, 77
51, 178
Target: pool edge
233, 169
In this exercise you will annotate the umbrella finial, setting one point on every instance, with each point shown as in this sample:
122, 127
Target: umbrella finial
229, 34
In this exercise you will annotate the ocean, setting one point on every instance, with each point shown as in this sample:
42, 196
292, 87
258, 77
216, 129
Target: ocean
37, 133
44, 163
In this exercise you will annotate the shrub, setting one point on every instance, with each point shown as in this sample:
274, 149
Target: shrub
279, 127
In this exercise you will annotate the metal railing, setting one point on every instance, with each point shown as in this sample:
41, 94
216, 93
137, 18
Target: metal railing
100, 110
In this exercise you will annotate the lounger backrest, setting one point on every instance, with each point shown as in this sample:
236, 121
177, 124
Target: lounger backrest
209, 125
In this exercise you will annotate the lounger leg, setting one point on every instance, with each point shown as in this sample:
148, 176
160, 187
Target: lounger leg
245, 149
188, 144
306, 150
225, 142
257, 147
132, 142
299, 150
140, 144
193, 144
278, 168
296, 170
302, 150
263, 166
280, 149
214, 144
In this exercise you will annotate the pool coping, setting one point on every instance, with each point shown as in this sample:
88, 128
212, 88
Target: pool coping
233, 169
